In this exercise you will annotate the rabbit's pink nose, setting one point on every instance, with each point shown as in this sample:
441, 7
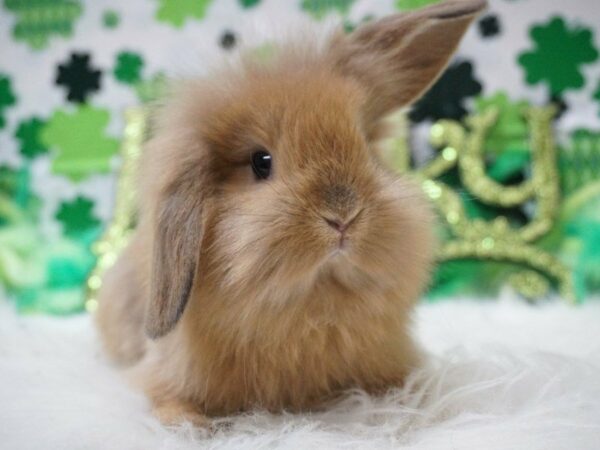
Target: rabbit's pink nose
337, 225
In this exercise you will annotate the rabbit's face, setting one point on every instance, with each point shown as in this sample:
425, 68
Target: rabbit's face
302, 192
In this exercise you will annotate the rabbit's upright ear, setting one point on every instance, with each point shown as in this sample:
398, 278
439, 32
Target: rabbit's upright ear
397, 58
176, 251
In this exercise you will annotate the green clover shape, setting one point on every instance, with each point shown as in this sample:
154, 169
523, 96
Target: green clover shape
558, 54
176, 12
7, 97
128, 68
37, 21
28, 134
407, 5
77, 217
78, 140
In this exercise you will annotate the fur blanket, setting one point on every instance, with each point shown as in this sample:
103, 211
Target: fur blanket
502, 375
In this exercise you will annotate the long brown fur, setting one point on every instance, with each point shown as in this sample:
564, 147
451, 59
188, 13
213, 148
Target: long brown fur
235, 293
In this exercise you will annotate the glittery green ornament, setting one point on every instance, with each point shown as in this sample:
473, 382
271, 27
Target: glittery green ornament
117, 234
17, 202
151, 89
579, 160
41, 275
494, 239
558, 54
56, 271
510, 129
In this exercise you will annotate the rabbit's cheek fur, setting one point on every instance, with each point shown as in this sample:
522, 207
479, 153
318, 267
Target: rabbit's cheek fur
265, 243
273, 246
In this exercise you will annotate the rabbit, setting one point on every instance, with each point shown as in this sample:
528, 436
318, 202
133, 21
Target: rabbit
277, 260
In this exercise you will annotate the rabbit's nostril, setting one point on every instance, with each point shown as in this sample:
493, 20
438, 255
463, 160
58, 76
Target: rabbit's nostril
336, 225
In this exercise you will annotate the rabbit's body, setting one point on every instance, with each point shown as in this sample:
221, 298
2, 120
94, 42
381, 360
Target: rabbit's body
277, 260
279, 360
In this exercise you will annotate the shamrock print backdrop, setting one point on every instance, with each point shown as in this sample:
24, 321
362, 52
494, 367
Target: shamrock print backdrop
69, 69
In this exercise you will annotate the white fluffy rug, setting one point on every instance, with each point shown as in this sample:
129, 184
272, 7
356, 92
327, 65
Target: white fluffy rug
503, 375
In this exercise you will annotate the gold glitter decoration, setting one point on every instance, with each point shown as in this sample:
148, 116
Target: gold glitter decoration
462, 147
529, 283
108, 247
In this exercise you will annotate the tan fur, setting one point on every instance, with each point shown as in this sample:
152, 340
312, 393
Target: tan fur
248, 298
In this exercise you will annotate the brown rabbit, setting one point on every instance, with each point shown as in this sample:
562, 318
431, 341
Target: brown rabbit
277, 261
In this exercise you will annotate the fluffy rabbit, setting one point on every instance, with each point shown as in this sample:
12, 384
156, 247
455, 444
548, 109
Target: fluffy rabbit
277, 261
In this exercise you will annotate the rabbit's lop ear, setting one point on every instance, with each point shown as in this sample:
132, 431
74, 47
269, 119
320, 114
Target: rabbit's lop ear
397, 58
176, 252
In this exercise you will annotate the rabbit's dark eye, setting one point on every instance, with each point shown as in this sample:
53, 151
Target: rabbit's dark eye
261, 164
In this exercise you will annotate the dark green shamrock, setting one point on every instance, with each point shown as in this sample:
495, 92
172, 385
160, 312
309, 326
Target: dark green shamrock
445, 100
77, 217
28, 134
558, 54
248, 3
7, 97
128, 67
78, 77
228, 40
489, 26
596, 95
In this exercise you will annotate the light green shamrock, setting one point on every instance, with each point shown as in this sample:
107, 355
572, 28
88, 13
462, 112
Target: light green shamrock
36, 21
558, 55
407, 5
175, 12
320, 8
79, 141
